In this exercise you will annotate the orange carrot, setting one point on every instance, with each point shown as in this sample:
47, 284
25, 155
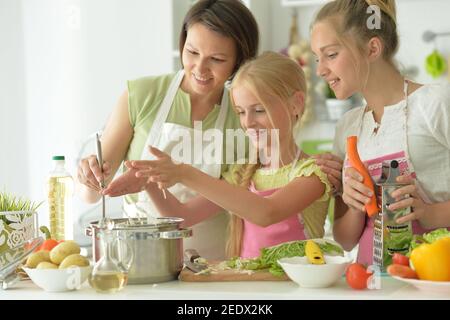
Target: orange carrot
355, 162
401, 271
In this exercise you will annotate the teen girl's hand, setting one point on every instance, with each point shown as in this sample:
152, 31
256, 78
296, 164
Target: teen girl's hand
414, 200
332, 166
162, 171
90, 174
356, 193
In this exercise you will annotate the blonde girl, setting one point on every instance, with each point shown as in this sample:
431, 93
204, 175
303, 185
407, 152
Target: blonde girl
401, 120
268, 205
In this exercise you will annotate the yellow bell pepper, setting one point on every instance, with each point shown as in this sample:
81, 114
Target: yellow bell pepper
432, 261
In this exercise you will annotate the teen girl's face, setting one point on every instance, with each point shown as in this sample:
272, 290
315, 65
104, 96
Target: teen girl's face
208, 58
255, 119
336, 64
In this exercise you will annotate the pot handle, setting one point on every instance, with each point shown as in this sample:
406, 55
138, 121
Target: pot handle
175, 234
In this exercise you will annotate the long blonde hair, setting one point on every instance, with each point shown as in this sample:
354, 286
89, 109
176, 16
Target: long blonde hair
349, 19
269, 75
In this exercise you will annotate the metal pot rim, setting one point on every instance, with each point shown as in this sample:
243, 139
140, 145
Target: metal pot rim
166, 223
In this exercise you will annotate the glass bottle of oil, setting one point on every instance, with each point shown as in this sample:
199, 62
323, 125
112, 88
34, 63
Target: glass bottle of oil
60, 189
108, 275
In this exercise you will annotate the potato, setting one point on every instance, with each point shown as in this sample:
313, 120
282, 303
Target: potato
37, 257
74, 260
46, 265
63, 250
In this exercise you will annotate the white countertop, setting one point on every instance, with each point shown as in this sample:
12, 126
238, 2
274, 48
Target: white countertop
178, 290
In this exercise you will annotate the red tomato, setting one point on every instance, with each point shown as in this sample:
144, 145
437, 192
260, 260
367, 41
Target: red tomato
400, 259
357, 276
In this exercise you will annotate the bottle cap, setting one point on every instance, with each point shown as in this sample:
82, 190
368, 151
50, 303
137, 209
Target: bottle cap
58, 158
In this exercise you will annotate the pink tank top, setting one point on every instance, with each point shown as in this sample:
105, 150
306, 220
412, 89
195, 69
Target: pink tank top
256, 237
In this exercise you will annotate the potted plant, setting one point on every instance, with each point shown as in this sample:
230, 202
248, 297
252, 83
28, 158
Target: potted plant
335, 107
18, 222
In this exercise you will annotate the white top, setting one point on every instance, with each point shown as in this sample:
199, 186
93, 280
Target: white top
428, 135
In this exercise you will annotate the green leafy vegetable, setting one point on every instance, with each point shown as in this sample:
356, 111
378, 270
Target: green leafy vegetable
269, 256
428, 238
245, 264
436, 235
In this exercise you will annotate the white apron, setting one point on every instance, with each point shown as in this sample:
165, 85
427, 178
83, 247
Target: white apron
208, 236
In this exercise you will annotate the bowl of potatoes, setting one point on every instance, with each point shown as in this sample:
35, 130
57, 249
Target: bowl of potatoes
60, 269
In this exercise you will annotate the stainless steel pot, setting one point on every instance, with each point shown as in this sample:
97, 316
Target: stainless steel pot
157, 247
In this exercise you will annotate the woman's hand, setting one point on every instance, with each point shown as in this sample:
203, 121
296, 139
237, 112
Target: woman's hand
413, 200
332, 166
127, 183
162, 171
356, 194
90, 173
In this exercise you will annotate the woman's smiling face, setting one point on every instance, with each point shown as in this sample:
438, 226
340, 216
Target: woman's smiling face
335, 63
208, 58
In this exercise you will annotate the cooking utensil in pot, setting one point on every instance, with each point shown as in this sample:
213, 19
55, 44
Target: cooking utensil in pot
104, 221
191, 261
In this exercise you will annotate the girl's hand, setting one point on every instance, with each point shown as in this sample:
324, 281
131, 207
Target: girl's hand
127, 183
413, 200
356, 194
332, 166
90, 173
162, 171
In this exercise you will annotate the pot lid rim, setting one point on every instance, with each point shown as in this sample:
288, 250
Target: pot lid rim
164, 222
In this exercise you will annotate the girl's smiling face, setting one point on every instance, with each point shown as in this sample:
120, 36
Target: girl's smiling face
339, 66
208, 58
255, 118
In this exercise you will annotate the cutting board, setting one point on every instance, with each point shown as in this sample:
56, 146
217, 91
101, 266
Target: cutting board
229, 275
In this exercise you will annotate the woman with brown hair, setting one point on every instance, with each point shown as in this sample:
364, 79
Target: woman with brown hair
217, 36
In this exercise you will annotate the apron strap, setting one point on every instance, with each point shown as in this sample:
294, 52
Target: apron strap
220, 122
163, 112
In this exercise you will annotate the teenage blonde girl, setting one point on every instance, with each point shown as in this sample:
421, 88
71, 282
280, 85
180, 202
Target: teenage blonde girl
401, 120
268, 205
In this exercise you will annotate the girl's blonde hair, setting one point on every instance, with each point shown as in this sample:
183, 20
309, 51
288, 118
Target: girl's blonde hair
269, 76
350, 19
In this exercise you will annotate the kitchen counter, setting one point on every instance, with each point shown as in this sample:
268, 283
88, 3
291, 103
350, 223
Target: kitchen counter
177, 290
